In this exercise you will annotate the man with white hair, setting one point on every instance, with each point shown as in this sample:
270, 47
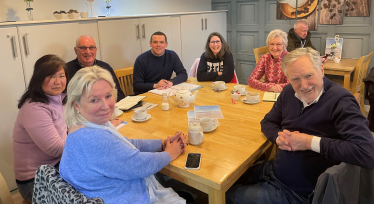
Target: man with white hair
86, 49
316, 124
299, 36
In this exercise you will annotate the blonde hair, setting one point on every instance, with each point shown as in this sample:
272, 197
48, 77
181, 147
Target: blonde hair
278, 33
80, 84
312, 54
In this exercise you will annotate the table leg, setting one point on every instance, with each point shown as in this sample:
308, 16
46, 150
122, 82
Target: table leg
347, 80
216, 196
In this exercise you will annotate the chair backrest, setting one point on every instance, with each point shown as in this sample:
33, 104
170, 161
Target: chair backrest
259, 52
339, 184
51, 188
193, 70
125, 78
360, 98
360, 72
5, 196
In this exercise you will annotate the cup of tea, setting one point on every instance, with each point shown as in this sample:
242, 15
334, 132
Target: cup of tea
206, 123
140, 114
239, 88
219, 85
253, 97
116, 111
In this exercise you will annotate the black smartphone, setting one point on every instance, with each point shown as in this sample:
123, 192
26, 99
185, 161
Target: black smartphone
193, 161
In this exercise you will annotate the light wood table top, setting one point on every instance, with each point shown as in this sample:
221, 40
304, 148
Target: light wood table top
226, 152
344, 68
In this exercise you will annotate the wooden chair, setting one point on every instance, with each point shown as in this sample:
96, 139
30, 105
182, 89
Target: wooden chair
5, 196
259, 52
360, 98
125, 78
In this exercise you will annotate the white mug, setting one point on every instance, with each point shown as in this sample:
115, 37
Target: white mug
239, 88
218, 85
140, 114
252, 97
116, 111
206, 123
195, 137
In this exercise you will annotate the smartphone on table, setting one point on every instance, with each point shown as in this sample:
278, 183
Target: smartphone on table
193, 161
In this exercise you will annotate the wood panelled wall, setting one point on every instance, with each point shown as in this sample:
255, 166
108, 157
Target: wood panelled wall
250, 21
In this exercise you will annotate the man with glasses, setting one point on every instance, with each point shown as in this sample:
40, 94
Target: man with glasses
86, 49
153, 68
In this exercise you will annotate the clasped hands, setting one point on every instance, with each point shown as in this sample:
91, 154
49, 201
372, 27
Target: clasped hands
163, 84
175, 145
294, 141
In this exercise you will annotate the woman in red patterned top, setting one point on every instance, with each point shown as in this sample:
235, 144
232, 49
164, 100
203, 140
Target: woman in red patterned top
270, 64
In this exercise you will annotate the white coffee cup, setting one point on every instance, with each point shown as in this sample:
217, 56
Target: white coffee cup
206, 123
140, 114
116, 111
300, 3
84, 14
252, 97
218, 85
336, 60
235, 96
239, 88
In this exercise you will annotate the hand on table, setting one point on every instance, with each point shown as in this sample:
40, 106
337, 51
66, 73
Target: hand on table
276, 88
163, 84
179, 137
323, 59
174, 148
294, 141
116, 122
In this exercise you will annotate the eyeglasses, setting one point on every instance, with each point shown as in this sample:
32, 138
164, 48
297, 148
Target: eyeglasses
278, 45
84, 48
217, 41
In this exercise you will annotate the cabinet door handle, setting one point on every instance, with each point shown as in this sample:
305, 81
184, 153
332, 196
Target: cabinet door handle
137, 31
143, 27
14, 47
202, 24
206, 23
26, 44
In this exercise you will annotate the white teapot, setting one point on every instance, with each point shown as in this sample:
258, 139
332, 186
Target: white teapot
183, 97
195, 134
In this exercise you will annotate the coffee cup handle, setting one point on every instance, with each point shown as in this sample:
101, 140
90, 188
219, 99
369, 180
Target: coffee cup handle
202, 137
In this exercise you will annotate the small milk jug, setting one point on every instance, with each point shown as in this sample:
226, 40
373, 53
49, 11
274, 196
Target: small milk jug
195, 134
164, 102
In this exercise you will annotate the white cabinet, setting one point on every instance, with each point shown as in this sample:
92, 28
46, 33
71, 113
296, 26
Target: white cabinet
12, 86
122, 41
39, 40
195, 30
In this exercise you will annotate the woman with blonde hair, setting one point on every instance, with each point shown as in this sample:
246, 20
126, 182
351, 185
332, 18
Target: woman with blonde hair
270, 64
100, 162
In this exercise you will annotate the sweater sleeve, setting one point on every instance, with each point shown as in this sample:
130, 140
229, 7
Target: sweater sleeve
228, 68
147, 145
271, 124
258, 72
179, 70
140, 86
39, 125
357, 144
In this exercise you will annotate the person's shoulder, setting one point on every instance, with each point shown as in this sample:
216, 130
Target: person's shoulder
94, 134
171, 52
334, 89
144, 56
102, 64
72, 63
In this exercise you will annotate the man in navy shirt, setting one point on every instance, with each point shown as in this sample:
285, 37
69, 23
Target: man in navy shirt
153, 68
316, 124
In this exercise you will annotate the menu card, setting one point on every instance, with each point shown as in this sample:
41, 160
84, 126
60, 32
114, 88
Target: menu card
213, 112
270, 96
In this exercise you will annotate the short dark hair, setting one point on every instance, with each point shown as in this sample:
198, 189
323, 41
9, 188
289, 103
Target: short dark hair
225, 48
44, 67
159, 33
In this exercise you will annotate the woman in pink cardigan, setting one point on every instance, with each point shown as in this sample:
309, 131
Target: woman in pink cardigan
270, 64
40, 131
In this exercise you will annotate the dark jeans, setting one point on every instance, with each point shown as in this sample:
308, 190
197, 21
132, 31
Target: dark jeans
259, 185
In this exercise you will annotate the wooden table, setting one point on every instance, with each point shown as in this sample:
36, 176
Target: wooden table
226, 152
344, 68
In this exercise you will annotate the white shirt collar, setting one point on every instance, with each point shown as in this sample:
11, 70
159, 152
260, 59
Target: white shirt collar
305, 104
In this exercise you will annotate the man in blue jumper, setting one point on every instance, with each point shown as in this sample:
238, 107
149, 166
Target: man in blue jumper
153, 68
316, 124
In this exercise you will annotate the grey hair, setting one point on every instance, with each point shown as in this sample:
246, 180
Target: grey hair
312, 54
278, 33
301, 21
77, 40
81, 84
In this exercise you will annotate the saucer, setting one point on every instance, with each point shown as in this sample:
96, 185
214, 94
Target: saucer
137, 120
221, 89
119, 113
244, 100
213, 128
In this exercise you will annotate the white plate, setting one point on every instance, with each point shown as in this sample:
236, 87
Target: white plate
213, 128
221, 89
137, 120
244, 100
120, 112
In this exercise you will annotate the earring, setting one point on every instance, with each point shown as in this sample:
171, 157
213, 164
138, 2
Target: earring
78, 112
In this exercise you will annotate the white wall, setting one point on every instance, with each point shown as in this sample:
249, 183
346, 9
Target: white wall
14, 10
